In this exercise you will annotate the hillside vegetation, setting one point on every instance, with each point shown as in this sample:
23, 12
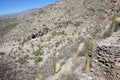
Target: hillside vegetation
6, 25
62, 41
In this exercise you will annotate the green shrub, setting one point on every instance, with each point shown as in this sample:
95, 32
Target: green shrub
26, 57
54, 33
38, 52
38, 59
2, 53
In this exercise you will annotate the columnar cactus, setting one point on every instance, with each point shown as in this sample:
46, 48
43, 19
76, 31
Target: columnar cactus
89, 50
113, 24
54, 63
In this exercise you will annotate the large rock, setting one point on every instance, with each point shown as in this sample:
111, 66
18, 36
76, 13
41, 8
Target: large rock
106, 59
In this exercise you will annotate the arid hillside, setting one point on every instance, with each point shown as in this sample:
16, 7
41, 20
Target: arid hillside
54, 42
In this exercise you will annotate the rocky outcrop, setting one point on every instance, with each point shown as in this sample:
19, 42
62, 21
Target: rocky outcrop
106, 58
39, 33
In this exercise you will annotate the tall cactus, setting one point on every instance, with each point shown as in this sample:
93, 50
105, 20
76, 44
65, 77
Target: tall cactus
89, 50
113, 24
54, 63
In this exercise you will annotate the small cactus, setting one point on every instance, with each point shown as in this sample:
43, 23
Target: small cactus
89, 50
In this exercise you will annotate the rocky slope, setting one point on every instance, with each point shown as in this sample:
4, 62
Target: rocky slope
107, 57
49, 44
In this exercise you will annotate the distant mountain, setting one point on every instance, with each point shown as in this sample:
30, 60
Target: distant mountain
7, 16
17, 15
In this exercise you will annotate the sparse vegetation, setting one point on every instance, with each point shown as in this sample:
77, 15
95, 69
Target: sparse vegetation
6, 25
92, 9
2, 53
59, 26
70, 41
77, 23
48, 41
23, 59
38, 59
54, 33
19, 39
58, 43
68, 76
28, 50
63, 24
19, 48
39, 52
26, 57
